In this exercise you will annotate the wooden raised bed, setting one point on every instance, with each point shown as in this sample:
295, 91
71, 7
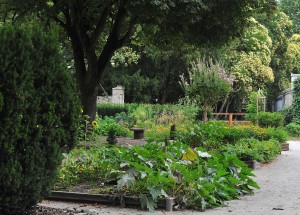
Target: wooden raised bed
285, 147
125, 201
253, 164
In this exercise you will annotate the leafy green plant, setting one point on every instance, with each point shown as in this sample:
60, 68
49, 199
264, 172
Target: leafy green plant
278, 134
206, 135
111, 139
268, 119
195, 178
124, 119
108, 123
288, 114
252, 149
293, 129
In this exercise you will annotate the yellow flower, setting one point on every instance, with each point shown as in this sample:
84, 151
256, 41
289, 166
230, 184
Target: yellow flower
81, 110
95, 124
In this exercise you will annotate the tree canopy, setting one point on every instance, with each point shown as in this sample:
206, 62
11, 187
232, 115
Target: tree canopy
292, 9
97, 28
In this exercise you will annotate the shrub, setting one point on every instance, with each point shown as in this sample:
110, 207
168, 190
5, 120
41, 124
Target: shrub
268, 119
253, 149
288, 114
163, 114
208, 135
248, 131
108, 123
110, 109
276, 133
38, 119
293, 129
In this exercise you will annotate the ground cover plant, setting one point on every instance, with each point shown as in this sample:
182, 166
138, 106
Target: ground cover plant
195, 178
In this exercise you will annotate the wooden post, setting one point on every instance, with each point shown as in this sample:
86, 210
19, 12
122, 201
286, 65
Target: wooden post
230, 122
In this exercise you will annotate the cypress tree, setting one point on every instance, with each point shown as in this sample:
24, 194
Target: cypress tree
39, 113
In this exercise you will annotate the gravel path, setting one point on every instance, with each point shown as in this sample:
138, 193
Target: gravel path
279, 193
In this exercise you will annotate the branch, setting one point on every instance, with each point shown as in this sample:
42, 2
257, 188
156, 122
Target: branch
100, 25
60, 22
127, 35
111, 43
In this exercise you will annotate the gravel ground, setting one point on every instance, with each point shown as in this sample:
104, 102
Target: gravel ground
279, 194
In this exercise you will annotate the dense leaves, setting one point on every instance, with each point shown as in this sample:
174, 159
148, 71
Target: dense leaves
38, 115
207, 84
97, 29
195, 178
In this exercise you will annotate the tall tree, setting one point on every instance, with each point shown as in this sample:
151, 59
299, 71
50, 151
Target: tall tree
292, 9
279, 28
97, 28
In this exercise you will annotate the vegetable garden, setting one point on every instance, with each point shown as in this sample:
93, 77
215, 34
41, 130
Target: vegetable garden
201, 169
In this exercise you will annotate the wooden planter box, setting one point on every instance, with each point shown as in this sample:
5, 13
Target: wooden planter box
126, 201
285, 147
253, 164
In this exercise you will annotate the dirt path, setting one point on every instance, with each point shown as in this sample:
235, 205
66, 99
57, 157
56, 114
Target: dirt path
279, 193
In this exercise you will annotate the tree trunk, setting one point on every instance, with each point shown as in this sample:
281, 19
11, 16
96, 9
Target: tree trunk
88, 97
204, 117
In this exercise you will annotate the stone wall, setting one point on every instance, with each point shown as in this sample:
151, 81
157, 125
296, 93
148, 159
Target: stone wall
116, 97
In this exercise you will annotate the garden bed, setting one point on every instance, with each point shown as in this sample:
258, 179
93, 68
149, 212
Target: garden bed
123, 201
253, 164
285, 146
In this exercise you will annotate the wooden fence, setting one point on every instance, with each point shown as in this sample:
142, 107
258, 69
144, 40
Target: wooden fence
232, 118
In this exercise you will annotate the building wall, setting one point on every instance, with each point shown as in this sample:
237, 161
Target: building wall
284, 100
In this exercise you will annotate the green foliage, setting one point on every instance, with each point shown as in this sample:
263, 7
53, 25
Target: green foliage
111, 25
248, 61
253, 149
39, 116
104, 126
110, 109
296, 101
153, 171
268, 119
282, 59
255, 106
154, 78
293, 129
207, 84
86, 130
213, 134
206, 135
291, 8
292, 55
275, 133
288, 114
146, 115
1, 101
